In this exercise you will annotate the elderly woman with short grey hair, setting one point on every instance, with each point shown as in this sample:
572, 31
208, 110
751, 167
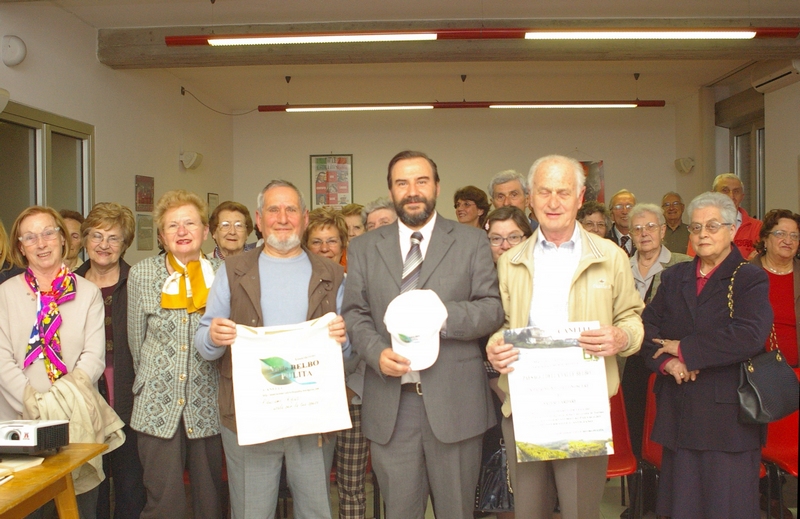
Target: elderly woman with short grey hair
650, 260
695, 343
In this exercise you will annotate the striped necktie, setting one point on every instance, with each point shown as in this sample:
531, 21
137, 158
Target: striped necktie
412, 265
623, 242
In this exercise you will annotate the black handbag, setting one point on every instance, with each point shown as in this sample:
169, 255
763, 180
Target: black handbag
768, 388
494, 493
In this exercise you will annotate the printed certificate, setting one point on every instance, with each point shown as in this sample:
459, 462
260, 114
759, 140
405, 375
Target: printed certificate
559, 394
288, 381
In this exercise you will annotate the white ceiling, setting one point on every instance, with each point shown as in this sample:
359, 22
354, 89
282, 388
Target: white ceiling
241, 88
156, 13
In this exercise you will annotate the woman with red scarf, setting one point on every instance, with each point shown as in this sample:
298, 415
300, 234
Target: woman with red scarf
51, 321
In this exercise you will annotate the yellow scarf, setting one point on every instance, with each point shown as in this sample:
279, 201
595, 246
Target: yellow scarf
187, 287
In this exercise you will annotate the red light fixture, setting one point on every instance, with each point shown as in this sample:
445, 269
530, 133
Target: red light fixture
485, 34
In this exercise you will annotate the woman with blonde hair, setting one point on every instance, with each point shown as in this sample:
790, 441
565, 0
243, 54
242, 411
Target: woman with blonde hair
175, 409
326, 235
51, 324
7, 269
352, 216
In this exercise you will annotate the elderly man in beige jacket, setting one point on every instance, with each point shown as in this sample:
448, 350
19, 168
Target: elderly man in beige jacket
563, 274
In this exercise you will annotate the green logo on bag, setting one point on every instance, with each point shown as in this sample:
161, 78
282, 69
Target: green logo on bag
281, 372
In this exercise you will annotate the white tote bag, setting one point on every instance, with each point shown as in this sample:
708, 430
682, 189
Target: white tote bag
288, 381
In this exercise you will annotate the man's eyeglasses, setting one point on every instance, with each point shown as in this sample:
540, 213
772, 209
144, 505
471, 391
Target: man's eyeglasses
676, 203
649, 227
712, 227
620, 207
784, 235
32, 238
514, 239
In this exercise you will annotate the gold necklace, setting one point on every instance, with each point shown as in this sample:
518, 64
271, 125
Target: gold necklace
775, 271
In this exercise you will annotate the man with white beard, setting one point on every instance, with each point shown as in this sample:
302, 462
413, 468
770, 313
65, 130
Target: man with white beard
280, 284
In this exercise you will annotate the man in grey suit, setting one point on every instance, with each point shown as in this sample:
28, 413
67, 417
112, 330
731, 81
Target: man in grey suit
425, 426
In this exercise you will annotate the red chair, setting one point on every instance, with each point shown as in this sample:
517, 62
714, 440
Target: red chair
780, 453
623, 462
652, 451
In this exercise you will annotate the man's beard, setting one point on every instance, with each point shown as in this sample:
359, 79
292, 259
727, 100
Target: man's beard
418, 219
284, 245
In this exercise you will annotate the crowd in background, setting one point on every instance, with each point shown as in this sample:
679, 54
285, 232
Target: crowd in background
127, 332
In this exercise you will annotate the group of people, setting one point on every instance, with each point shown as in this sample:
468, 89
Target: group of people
155, 338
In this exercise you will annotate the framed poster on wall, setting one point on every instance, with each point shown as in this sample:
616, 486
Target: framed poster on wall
145, 193
331, 180
213, 202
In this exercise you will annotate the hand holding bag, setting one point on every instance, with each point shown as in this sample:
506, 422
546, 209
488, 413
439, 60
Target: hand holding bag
768, 388
494, 492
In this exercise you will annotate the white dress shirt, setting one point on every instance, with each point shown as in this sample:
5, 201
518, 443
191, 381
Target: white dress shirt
552, 279
405, 245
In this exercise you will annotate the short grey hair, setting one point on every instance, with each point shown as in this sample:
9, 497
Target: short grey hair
380, 203
672, 193
725, 176
279, 183
640, 209
577, 169
508, 175
711, 199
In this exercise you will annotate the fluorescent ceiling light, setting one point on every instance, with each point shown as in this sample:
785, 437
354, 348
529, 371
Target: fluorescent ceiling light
368, 107
642, 35
321, 38
358, 108
568, 105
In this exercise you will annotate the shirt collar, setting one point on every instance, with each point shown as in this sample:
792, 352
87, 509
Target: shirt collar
426, 231
543, 244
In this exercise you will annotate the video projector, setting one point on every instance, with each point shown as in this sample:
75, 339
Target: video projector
33, 436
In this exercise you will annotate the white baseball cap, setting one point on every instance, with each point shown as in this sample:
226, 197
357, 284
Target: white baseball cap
414, 320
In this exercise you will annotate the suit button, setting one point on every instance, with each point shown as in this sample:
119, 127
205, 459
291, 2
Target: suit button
183, 347
181, 401
184, 320
190, 430
182, 376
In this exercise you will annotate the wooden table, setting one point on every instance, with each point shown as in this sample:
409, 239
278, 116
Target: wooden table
33, 487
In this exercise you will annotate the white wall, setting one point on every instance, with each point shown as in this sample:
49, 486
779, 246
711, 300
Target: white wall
782, 154
141, 120
468, 145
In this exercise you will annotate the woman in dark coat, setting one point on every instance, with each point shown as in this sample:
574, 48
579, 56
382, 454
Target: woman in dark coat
710, 464
106, 234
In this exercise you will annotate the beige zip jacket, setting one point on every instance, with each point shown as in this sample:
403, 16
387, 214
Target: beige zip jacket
602, 290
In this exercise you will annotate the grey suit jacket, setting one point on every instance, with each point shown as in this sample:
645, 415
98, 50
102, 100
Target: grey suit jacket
458, 267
